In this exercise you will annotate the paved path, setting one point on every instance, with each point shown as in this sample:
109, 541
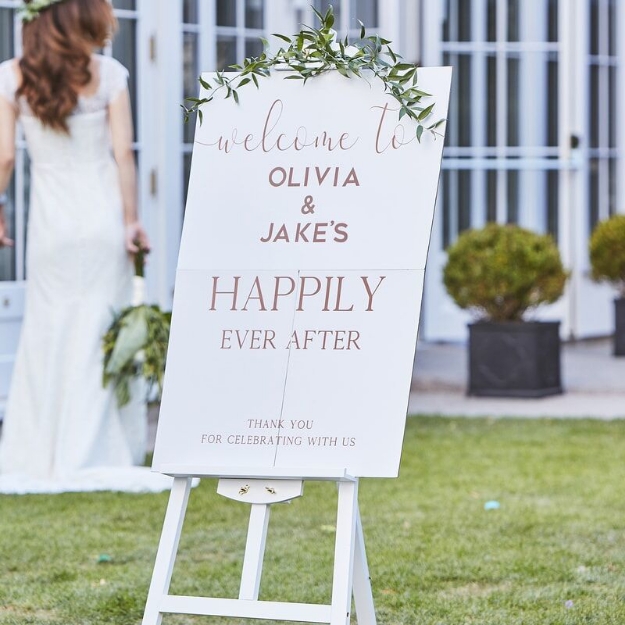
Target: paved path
593, 379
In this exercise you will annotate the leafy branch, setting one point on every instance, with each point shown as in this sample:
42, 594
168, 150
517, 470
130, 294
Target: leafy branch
316, 51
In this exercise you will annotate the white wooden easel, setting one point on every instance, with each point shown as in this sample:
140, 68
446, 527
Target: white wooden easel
351, 572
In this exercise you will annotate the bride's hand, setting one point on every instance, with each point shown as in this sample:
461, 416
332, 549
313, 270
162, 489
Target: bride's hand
4, 239
136, 238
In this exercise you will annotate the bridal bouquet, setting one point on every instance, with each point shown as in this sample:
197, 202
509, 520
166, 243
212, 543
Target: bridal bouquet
135, 345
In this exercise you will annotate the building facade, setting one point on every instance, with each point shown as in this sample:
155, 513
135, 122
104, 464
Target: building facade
533, 132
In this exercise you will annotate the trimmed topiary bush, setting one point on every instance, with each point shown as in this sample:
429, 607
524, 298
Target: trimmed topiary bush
607, 252
503, 271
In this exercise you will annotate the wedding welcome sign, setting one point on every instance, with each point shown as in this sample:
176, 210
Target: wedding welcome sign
299, 281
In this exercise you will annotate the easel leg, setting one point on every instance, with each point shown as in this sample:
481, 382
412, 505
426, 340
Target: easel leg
363, 597
344, 553
254, 552
167, 549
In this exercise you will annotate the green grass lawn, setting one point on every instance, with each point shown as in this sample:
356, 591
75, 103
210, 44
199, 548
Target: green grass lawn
553, 553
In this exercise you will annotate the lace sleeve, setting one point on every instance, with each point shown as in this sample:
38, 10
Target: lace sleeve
7, 81
116, 78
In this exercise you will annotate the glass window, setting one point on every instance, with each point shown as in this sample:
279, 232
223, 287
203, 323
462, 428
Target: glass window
226, 52
463, 24
233, 36
364, 10
129, 5
501, 51
124, 50
253, 47
514, 19
190, 12
7, 40
491, 20
226, 12
191, 72
254, 14
603, 65
322, 7
7, 254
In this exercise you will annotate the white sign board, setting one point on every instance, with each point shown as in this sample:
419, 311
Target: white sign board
300, 279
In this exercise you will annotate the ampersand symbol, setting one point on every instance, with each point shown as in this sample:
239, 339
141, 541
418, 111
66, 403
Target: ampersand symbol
309, 207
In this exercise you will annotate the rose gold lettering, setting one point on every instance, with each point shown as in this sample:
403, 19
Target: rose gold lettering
352, 178
293, 341
269, 235
241, 340
320, 232
225, 339
248, 139
343, 142
378, 147
300, 144
339, 292
270, 139
328, 290
267, 129
352, 339
321, 177
286, 146
341, 231
371, 293
282, 234
255, 342
325, 334
291, 182
281, 179
309, 335
303, 293
270, 335
277, 293
339, 337
300, 232
259, 296
234, 293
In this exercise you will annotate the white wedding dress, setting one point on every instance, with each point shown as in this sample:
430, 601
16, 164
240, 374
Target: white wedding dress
62, 431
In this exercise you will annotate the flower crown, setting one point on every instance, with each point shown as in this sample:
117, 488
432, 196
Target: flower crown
29, 12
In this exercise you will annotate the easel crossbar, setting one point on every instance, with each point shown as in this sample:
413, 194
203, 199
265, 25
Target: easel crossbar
270, 610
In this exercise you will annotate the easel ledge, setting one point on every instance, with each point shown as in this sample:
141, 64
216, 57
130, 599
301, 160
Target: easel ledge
269, 473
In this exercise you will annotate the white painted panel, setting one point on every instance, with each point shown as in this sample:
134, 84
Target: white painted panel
384, 227
296, 353
223, 375
349, 376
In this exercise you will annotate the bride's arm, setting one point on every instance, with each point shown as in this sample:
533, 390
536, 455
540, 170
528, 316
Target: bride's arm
7, 159
121, 133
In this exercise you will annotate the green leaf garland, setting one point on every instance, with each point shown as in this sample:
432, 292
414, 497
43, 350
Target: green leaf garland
316, 51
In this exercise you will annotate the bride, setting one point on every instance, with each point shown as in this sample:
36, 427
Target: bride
62, 430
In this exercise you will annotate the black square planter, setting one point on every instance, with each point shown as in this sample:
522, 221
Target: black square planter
514, 359
619, 327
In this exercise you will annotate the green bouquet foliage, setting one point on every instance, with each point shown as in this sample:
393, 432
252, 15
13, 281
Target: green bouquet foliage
136, 346
607, 252
503, 271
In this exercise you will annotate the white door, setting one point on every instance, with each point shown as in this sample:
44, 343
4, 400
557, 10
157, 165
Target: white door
601, 57
517, 141
131, 47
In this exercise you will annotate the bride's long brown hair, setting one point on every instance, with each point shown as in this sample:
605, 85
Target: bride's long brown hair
57, 48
